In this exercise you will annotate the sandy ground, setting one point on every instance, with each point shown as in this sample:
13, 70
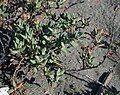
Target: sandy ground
104, 14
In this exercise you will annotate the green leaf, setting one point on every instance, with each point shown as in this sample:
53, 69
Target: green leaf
63, 49
14, 83
21, 44
4, 15
43, 42
44, 62
83, 20
27, 28
73, 43
34, 41
1, 3
35, 70
63, 45
46, 37
24, 37
17, 40
33, 61
60, 72
15, 51
38, 3
46, 56
38, 58
90, 60
51, 76
16, 46
50, 61
57, 79
43, 51
50, 29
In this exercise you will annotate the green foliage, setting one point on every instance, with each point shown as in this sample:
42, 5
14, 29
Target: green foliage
86, 55
40, 43
41, 35
110, 93
54, 76
3, 9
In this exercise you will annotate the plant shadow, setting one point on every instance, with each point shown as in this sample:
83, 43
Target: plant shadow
94, 86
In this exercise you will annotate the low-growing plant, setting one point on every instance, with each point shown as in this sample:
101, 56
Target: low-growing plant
86, 56
95, 39
111, 93
41, 34
3, 9
40, 42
